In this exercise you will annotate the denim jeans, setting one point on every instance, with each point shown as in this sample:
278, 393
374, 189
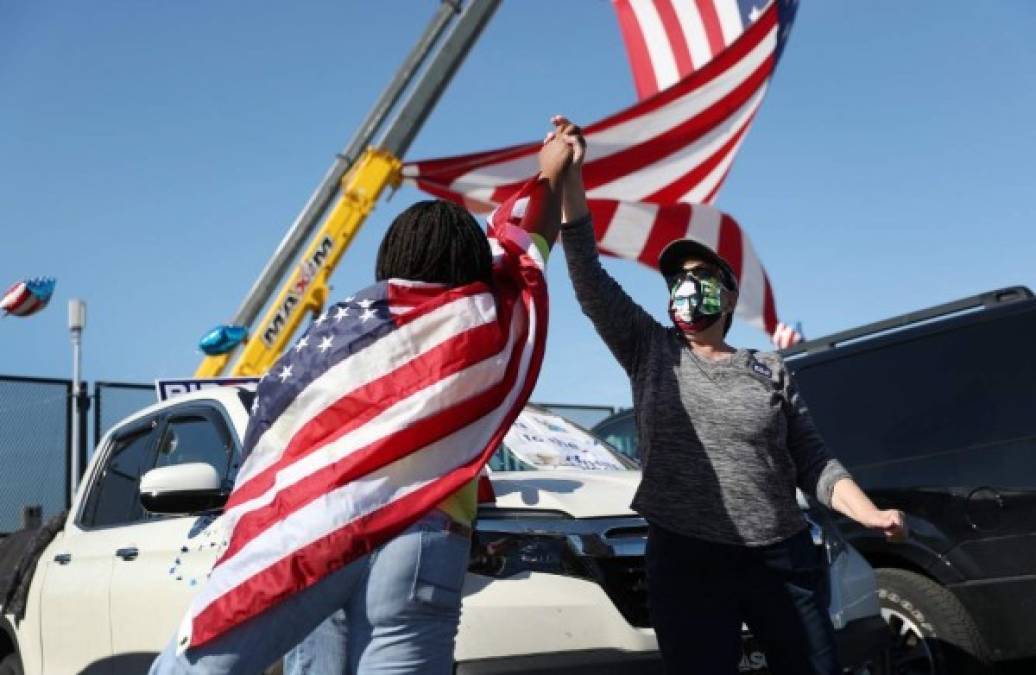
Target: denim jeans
700, 592
404, 617
394, 611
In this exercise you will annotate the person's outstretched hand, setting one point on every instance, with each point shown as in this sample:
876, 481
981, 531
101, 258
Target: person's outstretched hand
574, 192
889, 521
555, 156
569, 133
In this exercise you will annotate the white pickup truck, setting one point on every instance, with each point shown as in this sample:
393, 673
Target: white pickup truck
556, 582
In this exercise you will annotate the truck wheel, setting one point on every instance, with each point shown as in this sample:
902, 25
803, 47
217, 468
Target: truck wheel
10, 665
933, 633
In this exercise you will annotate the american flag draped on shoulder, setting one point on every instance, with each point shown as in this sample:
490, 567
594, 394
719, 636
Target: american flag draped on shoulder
653, 170
391, 401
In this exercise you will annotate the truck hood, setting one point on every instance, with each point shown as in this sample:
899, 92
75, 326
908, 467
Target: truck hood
579, 493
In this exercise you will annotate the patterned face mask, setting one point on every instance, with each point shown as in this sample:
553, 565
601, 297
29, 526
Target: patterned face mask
695, 295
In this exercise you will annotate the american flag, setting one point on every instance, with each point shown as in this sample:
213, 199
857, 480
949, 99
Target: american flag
653, 169
392, 400
786, 336
667, 40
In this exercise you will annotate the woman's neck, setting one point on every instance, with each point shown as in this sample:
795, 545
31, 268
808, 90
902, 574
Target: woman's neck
710, 346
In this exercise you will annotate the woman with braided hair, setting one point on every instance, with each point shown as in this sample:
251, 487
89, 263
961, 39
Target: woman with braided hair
395, 606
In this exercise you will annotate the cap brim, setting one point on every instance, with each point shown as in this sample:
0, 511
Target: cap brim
673, 256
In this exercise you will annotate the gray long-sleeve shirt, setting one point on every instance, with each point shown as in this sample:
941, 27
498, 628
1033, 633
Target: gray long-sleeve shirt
724, 444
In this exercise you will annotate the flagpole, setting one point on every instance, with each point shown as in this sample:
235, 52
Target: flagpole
76, 323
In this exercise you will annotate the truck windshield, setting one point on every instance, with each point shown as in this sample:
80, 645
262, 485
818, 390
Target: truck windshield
542, 441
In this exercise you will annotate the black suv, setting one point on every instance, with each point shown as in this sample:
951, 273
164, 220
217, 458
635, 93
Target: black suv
934, 412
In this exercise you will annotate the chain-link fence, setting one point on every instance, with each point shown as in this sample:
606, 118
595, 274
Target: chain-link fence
35, 430
114, 401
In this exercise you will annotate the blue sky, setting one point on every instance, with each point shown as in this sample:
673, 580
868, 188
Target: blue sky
153, 154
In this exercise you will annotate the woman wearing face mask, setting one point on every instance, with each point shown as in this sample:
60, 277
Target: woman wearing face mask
725, 439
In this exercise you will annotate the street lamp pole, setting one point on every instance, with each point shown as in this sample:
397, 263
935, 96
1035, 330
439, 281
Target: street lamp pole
76, 322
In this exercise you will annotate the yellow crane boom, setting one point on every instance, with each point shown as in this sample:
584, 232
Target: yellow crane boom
305, 289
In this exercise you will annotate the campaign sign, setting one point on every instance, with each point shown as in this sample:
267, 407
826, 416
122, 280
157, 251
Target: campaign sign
545, 440
167, 389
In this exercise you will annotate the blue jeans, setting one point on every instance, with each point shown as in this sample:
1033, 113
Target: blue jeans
393, 612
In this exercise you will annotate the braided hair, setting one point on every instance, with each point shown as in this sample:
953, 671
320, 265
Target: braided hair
435, 241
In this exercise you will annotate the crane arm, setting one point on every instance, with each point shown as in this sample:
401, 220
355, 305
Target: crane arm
306, 288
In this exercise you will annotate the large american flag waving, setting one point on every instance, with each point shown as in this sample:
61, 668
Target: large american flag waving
669, 39
391, 401
653, 170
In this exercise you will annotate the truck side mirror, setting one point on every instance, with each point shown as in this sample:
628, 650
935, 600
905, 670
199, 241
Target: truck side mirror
182, 489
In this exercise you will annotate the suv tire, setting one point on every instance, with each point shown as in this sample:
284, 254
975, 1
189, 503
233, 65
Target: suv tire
930, 624
11, 665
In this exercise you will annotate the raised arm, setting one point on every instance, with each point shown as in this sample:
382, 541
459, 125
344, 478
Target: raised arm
555, 158
622, 323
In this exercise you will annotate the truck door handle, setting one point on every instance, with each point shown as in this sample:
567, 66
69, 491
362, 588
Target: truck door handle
63, 558
128, 553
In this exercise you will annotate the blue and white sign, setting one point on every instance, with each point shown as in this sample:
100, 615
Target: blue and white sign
167, 389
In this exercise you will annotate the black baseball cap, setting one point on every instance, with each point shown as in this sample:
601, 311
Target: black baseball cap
672, 257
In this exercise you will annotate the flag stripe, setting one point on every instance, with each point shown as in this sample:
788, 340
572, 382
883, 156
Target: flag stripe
420, 405
676, 190
694, 30
662, 146
436, 323
769, 308
353, 410
402, 437
699, 158
626, 235
704, 227
670, 223
636, 48
710, 185
662, 58
729, 17
675, 37
713, 29
730, 243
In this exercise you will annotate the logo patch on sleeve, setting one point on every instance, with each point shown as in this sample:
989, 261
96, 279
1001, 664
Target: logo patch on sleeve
761, 369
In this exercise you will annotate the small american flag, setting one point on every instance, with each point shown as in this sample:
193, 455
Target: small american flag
392, 400
653, 170
786, 336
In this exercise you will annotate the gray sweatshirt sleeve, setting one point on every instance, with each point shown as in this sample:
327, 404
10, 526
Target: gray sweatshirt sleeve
622, 323
817, 471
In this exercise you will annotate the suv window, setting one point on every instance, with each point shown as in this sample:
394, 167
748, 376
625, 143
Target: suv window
114, 499
191, 435
195, 438
927, 395
619, 431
